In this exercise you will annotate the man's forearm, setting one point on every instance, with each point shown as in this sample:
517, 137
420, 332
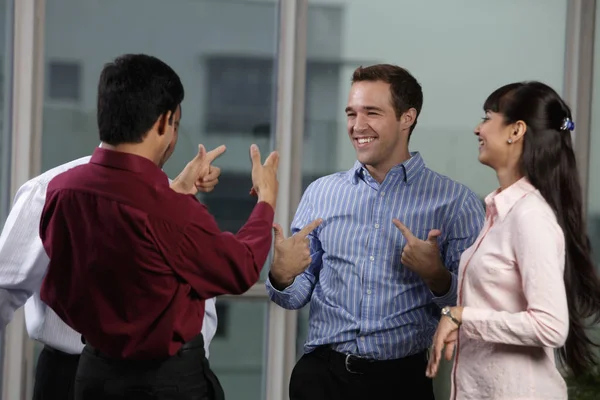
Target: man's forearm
440, 282
177, 187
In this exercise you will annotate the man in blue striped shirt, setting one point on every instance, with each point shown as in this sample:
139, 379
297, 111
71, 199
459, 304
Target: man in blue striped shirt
385, 258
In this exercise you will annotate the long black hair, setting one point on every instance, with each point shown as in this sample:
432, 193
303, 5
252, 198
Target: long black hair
548, 161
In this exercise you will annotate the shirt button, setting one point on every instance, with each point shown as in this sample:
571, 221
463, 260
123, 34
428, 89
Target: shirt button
376, 226
372, 258
362, 338
382, 194
369, 291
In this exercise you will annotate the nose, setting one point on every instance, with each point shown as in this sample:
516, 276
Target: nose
477, 129
360, 124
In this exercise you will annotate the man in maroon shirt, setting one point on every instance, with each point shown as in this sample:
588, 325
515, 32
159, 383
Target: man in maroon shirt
132, 257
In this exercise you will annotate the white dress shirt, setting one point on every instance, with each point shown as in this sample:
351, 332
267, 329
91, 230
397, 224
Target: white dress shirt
23, 264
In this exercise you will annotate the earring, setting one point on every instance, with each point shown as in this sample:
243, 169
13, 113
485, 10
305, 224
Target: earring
509, 141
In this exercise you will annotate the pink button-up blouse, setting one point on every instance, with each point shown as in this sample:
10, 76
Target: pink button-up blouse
515, 307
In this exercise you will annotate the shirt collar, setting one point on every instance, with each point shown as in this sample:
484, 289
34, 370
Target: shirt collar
128, 162
502, 201
407, 171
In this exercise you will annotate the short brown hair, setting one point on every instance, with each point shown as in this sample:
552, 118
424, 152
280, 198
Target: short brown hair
405, 90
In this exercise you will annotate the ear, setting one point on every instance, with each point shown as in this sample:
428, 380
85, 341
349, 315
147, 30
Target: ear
164, 121
517, 131
408, 118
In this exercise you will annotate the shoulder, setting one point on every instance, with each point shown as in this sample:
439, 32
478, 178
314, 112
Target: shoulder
48, 176
451, 188
40, 183
534, 207
532, 222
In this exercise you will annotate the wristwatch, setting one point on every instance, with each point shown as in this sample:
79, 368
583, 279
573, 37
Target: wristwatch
446, 313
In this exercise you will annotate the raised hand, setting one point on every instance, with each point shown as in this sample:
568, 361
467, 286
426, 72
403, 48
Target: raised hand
292, 255
264, 176
190, 180
207, 184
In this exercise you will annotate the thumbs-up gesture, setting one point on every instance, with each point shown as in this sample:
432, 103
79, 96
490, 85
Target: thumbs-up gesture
192, 176
292, 255
421, 256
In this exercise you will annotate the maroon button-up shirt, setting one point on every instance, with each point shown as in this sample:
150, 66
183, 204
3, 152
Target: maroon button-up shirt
132, 261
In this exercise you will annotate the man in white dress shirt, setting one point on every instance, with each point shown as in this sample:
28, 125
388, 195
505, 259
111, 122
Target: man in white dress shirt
23, 264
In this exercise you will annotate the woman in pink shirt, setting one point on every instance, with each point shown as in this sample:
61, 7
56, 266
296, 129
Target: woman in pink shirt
527, 286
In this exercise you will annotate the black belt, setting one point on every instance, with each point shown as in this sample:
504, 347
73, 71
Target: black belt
195, 343
363, 366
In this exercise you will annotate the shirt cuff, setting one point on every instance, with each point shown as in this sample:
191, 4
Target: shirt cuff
282, 293
449, 299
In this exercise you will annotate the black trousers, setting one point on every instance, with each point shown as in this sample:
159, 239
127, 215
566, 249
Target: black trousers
185, 376
55, 375
327, 375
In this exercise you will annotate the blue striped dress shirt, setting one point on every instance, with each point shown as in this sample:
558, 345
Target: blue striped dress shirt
363, 301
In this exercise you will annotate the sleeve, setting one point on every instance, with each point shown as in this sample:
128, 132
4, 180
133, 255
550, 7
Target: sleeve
23, 260
215, 262
464, 230
539, 247
298, 294
209, 324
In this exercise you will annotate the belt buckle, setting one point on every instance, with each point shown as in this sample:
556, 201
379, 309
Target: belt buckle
347, 364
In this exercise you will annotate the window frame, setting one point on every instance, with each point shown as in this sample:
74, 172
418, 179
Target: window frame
26, 117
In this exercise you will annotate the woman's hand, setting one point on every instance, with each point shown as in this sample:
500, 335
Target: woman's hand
446, 337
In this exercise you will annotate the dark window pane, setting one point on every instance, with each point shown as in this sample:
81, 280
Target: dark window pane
64, 79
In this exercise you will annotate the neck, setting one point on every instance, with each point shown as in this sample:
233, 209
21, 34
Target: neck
138, 149
380, 171
508, 177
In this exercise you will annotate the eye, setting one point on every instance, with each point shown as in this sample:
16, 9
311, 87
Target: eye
484, 119
372, 113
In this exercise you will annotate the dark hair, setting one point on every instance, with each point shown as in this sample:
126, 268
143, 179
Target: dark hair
548, 161
133, 92
405, 91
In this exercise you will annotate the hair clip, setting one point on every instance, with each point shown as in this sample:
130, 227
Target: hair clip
567, 125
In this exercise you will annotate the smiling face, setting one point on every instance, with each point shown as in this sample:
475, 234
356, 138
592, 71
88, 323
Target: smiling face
500, 144
379, 137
